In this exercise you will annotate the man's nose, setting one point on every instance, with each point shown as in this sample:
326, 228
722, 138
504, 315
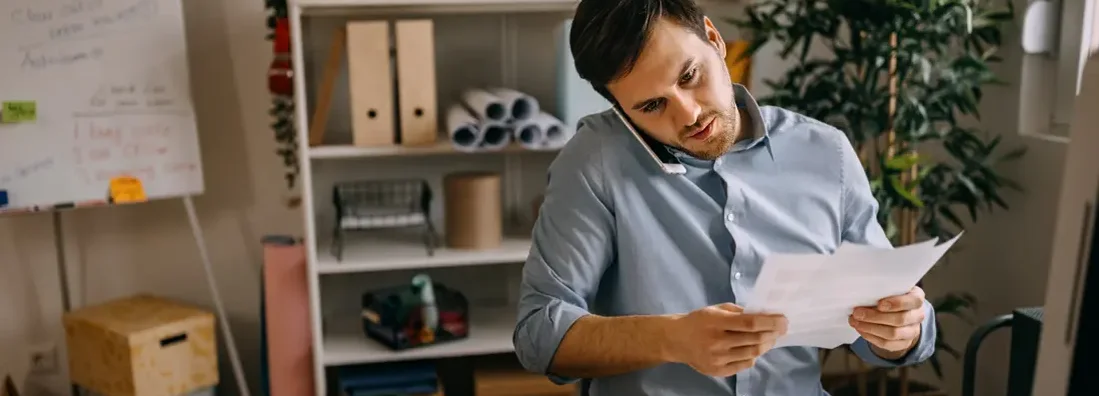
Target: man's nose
685, 110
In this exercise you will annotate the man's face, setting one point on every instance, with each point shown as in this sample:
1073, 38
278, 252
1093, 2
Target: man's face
679, 91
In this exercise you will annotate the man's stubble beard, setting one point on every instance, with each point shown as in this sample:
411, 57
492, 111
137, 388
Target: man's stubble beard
720, 142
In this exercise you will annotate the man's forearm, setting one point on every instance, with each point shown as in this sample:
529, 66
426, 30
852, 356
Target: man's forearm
597, 346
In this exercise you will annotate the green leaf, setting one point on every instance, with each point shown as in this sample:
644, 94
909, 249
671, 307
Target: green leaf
949, 215
905, 192
936, 365
953, 303
891, 230
949, 349
903, 162
1013, 154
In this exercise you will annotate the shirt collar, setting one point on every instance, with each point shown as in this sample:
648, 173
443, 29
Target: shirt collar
758, 134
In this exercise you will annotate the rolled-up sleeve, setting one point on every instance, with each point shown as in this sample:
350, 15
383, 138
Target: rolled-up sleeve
860, 211
572, 246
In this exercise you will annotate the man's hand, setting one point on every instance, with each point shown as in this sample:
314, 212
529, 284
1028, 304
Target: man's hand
893, 326
721, 340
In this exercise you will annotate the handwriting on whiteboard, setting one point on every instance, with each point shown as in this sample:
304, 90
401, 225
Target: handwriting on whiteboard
131, 98
109, 147
67, 34
40, 14
26, 171
39, 60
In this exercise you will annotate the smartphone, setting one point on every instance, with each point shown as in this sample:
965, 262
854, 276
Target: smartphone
657, 151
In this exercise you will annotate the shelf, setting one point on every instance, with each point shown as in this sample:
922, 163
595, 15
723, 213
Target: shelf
379, 253
440, 148
315, 7
344, 7
490, 332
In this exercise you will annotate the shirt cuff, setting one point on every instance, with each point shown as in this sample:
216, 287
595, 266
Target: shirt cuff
540, 336
924, 348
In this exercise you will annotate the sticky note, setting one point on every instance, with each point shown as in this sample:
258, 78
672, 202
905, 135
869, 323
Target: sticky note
18, 111
127, 189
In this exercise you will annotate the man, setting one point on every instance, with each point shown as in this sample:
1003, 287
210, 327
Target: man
634, 274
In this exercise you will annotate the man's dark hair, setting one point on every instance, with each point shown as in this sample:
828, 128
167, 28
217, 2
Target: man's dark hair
607, 36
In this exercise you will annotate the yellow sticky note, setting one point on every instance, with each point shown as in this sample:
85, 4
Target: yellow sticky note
18, 111
126, 189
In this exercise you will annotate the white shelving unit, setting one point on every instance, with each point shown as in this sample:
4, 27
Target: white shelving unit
349, 151
374, 260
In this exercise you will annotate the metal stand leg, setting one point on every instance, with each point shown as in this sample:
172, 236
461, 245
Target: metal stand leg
62, 272
62, 265
230, 343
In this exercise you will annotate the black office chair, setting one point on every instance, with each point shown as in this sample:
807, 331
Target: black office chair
1026, 330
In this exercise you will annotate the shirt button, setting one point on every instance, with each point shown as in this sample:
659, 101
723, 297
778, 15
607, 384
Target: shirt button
736, 275
730, 217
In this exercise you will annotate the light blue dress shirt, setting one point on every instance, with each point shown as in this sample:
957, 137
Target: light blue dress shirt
617, 236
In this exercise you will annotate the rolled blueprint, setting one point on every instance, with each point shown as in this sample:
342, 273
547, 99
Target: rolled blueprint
529, 134
484, 105
463, 128
519, 106
496, 135
556, 132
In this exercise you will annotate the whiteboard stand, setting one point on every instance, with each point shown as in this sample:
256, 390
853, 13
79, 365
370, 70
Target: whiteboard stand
62, 264
200, 241
62, 271
207, 266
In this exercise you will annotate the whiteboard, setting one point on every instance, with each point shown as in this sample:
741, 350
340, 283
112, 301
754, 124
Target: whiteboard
110, 82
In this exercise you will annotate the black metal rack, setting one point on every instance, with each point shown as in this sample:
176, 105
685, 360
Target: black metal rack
381, 204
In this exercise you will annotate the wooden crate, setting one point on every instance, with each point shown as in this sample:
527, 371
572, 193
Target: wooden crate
502, 382
502, 375
142, 346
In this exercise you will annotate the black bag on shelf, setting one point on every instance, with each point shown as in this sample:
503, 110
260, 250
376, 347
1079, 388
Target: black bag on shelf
396, 316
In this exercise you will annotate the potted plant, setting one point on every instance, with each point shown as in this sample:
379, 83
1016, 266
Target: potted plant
900, 77
280, 83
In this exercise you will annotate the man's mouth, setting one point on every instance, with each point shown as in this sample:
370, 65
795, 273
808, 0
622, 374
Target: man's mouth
705, 132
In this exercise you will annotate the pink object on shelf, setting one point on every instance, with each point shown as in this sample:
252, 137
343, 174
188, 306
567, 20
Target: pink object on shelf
289, 340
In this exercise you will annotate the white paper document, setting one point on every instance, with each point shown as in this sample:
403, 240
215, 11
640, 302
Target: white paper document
818, 292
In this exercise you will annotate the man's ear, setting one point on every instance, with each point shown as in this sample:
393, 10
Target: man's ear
714, 37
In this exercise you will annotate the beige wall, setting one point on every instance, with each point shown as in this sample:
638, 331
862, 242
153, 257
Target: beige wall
148, 248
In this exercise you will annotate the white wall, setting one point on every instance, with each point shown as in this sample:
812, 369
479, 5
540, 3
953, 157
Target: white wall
148, 248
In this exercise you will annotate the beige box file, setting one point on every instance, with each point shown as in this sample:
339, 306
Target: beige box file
142, 346
416, 91
370, 83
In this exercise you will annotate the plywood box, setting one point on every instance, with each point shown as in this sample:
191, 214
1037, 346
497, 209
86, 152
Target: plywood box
142, 346
516, 382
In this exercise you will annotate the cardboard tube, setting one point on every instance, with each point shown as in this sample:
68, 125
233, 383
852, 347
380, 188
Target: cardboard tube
473, 210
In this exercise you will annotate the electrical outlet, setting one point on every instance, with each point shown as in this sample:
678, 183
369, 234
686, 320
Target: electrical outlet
43, 358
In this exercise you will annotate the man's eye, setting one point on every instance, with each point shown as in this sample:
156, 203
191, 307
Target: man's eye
690, 76
651, 106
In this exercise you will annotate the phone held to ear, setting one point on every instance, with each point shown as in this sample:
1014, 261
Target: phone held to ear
659, 154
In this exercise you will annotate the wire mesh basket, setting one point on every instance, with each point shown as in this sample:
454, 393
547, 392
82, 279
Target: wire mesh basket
382, 204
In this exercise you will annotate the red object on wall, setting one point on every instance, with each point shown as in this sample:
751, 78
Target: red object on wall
280, 76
